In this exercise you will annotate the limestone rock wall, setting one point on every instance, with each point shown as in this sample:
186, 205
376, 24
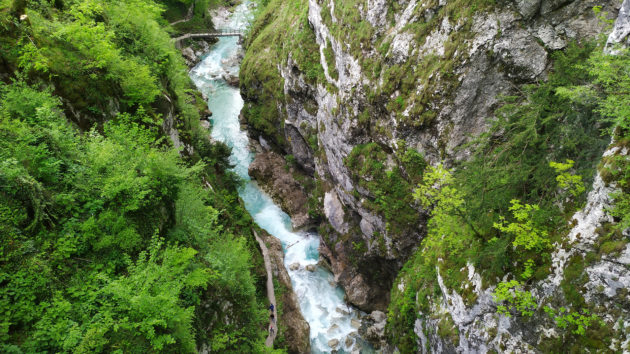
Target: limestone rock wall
378, 87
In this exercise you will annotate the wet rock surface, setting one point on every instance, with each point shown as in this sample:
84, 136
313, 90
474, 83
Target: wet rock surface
272, 174
373, 329
193, 53
508, 46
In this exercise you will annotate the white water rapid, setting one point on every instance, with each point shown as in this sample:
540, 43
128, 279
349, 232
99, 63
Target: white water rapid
321, 301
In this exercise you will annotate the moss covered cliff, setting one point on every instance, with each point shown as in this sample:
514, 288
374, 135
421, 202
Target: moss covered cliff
511, 97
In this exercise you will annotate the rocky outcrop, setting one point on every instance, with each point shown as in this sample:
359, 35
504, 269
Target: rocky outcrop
231, 78
481, 57
359, 290
297, 329
603, 283
373, 329
192, 54
481, 329
620, 34
275, 177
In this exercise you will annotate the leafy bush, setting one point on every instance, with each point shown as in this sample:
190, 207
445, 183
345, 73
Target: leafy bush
577, 322
109, 242
511, 296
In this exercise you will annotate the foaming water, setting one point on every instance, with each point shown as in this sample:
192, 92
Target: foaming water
321, 300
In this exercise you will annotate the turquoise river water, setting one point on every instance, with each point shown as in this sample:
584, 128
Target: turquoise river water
321, 301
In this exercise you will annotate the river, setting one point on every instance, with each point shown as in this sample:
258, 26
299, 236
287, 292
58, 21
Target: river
321, 301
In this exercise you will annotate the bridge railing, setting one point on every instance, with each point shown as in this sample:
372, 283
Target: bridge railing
216, 33
229, 31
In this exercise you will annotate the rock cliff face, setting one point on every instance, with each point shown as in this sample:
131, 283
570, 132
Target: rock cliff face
275, 177
399, 77
603, 283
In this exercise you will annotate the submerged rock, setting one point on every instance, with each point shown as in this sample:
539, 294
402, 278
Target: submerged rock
294, 266
231, 79
355, 323
342, 311
349, 341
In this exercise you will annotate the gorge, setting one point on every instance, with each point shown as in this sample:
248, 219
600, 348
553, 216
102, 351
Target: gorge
360, 96
395, 176
321, 301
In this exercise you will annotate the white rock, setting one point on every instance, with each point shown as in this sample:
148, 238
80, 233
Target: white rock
333, 209
294, 266
355, 323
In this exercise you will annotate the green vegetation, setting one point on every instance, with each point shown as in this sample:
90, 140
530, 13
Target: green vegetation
200, 22
576, 321
502, 209
330, 61
109, 241
447, 329
571, 183
389, 185
525, 232
511, 293
578, 329
280, 30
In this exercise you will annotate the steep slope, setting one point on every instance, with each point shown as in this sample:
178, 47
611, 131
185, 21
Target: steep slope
382, 71
115, 237
365, 94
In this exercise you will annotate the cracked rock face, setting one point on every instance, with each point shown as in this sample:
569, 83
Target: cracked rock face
620, 34
528, 8
503, 48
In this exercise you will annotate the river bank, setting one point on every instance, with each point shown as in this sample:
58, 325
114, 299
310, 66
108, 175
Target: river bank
333, 324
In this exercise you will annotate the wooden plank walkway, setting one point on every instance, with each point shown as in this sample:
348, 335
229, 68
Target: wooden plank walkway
271, 295
189, 15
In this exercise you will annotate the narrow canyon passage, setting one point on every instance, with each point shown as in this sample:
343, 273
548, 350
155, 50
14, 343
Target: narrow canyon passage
333, 322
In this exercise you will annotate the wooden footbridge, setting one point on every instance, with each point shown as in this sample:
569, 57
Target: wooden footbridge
225, 32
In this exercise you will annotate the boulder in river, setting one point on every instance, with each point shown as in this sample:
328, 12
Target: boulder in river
355, 323
311, 267
333, 343
294, 266
373, 328
349, 341
231, 79
269, 170
342, 311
